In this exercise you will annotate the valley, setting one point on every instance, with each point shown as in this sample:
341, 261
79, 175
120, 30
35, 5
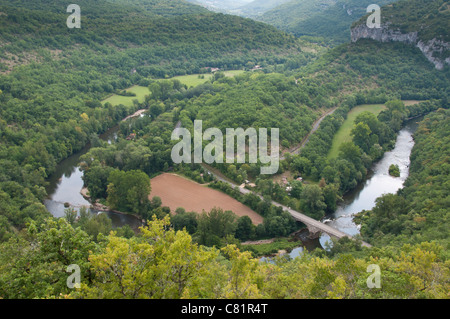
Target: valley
92, 120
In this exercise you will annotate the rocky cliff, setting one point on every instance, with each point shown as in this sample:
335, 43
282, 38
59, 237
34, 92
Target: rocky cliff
435, 50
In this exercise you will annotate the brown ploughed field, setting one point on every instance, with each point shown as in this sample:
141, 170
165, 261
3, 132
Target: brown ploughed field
176, 191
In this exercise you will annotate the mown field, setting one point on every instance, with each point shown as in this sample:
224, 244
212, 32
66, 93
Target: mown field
191, 80
197, 79
343, 134
140, 91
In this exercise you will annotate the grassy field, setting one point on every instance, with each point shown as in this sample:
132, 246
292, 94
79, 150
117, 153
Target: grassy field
343, 134
194, 80
140, 91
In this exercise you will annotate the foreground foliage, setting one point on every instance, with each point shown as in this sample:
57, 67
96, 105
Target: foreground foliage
164, 263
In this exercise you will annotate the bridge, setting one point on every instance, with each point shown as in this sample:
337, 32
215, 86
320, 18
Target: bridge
315, 227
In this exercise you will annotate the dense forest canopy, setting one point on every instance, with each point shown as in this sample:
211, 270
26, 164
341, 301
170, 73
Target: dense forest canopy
53, 83
54, 78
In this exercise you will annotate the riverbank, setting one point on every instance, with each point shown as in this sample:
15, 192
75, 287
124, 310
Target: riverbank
101, 207
379, 182
274, 247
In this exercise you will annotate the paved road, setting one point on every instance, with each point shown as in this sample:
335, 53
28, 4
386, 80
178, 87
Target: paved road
310, 222
295, 214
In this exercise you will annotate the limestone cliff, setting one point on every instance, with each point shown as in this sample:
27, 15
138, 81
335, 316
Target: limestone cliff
435, 50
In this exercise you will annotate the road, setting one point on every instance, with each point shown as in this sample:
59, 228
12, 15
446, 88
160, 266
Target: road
296, 149
311, 223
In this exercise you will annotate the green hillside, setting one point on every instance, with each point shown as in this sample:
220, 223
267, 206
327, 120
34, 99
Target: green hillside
163, 7
431, 19
61, 88
53, 79
155, 45
151, 7
258, 7
330, 19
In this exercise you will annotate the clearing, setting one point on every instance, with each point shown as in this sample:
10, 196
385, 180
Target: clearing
176, 191
193, 80
140, 91
343, 134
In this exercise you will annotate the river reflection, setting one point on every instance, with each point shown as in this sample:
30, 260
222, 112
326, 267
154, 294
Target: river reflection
66, 183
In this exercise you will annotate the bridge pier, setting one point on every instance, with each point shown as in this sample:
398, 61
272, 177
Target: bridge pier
314, 232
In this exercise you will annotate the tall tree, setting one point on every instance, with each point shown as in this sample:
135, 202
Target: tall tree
129, 191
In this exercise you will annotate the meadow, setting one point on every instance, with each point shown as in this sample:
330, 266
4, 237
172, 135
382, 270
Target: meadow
140, 91
192, 80
343, 134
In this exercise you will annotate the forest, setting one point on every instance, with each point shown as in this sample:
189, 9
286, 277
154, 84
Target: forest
419, 212
52, 84
54, 79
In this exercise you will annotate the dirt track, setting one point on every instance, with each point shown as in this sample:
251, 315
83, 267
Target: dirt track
176, 191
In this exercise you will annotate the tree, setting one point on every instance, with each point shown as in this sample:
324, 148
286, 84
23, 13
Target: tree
96, 180
6, 231
34, 264
156, 202
159, 264
156, 90
361, 136
331, 197
312, 202
214, 225
156, 109
97, 224
329, 173
129, 191
242, 274
183, 219
302, 165
350, 152
70, 215
245, 228
370, 120
394, 170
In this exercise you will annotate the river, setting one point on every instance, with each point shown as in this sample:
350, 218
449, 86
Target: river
378, 182
66, 183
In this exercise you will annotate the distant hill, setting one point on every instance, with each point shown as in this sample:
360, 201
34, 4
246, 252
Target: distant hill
257, 7
422, 23
165, 8
330, 19
224, 6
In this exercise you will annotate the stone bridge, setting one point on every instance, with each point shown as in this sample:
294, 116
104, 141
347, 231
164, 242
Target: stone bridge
315, 227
